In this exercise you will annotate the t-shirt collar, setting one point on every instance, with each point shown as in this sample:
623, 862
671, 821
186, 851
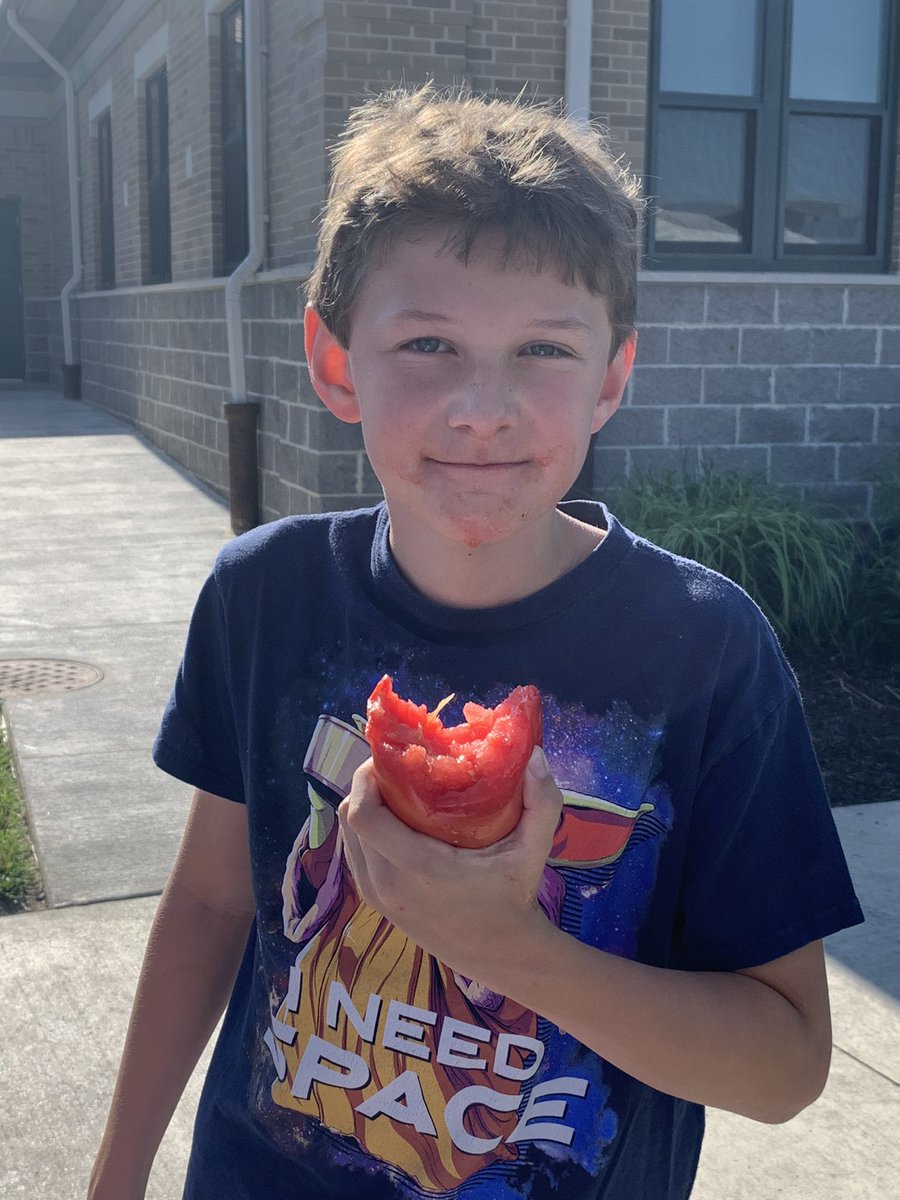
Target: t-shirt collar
572, 587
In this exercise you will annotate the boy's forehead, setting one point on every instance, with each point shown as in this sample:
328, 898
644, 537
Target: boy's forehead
422, 276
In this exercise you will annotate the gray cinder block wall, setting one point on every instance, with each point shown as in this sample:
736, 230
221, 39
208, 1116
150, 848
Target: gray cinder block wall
797, 382
793, 378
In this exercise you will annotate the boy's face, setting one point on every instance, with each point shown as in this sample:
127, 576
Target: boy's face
478, 388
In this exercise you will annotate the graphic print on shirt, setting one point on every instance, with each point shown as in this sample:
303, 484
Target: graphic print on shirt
435, 1078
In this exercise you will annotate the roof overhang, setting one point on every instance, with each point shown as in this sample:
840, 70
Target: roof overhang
30, 90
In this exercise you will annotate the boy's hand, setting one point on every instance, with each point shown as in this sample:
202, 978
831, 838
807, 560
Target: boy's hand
469, 908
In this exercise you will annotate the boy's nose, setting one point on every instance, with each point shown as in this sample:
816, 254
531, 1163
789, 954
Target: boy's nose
484, 402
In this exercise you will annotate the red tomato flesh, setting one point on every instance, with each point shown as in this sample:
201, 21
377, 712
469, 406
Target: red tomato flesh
461, 784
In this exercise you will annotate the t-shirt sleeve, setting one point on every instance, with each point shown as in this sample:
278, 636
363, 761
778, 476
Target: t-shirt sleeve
765, 872
197, 741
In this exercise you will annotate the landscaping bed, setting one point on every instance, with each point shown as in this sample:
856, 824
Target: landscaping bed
853, 709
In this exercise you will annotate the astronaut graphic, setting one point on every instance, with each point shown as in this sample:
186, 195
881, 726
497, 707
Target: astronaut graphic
430, 1073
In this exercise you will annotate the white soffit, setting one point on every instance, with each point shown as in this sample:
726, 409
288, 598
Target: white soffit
30, 106
151, 55
100, 101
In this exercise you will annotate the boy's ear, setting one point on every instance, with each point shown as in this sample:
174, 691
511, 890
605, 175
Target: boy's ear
329, 369
613, 387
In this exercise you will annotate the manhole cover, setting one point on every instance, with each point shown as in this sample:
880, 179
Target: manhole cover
30, 676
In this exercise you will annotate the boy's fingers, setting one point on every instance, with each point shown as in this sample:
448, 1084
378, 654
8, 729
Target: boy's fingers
377, 824
373, 821
356, 858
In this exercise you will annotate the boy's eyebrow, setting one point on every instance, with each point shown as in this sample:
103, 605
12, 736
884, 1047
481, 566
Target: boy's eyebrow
418, 314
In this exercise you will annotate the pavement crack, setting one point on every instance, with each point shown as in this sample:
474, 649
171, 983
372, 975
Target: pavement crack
868, 1066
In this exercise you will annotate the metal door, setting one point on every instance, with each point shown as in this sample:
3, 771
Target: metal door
12, 309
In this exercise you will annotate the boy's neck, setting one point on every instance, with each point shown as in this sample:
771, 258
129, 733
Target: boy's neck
454, 574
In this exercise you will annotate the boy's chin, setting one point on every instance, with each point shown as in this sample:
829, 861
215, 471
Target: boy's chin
476, 530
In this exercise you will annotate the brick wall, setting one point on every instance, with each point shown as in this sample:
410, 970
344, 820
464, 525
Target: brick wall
295, 147
158, 358
797, 382
619, 74
24, 155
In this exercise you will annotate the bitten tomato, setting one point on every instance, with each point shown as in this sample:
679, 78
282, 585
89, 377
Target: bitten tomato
462, 784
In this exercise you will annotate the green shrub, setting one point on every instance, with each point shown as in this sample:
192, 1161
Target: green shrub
795, 563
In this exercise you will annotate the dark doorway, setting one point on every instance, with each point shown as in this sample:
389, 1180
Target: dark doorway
12, 308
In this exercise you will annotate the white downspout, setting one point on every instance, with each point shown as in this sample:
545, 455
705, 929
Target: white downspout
579, 19
74, 209
256, 217
241, 414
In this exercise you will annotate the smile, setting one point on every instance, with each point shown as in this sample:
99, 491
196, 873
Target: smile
476, 466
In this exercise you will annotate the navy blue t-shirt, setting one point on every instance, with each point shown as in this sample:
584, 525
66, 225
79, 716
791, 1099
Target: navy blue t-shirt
695, 835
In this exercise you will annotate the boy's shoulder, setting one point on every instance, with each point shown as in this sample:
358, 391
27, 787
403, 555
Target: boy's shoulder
669, 592
677, 584
288, 542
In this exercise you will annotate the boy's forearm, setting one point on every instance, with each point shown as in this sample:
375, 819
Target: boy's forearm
189, 968
720, 1039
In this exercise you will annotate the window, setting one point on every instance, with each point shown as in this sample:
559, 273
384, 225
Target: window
105, 201
234, 143
157, 106
771, 135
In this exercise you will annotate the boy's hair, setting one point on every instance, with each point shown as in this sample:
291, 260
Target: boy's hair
546, 189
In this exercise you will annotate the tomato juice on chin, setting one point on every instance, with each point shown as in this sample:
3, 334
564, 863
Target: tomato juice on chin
461, 784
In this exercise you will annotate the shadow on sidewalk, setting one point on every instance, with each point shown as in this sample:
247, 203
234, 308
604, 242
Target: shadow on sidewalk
42, 412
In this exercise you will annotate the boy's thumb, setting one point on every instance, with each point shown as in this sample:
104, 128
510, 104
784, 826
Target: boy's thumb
540, 795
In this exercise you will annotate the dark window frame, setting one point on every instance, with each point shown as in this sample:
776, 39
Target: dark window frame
105, 200
233, 141
159, 218
771, 109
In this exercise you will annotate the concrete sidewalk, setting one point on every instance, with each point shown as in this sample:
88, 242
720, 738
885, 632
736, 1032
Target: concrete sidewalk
105, 546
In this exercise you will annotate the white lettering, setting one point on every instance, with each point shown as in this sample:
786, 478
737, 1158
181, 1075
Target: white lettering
406, 1036
456, 1051
312, 1069
284, 1033
277, 1054
339, 998
531, 1129
279, 1034
292, 999
403, 1101
504, 1068
456, 1109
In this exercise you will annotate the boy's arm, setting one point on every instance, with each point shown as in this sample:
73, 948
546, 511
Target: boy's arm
756, 1042
192, 957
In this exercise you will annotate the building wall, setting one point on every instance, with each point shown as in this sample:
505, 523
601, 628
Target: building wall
158, 359
24, 155
797, 382
619, 75
295, 143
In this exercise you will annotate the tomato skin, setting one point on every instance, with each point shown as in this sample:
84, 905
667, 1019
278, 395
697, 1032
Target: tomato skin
463, 784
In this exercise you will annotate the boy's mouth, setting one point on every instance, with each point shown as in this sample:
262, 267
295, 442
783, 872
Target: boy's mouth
479, 466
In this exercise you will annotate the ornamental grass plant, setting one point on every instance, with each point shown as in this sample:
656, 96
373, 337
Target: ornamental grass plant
796, 564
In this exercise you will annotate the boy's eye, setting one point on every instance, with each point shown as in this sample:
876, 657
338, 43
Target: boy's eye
545, 350
426, 345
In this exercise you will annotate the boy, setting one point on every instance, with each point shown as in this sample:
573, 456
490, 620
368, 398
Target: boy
547, 1016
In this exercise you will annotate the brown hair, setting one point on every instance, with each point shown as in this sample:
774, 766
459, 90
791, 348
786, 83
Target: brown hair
547, 189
